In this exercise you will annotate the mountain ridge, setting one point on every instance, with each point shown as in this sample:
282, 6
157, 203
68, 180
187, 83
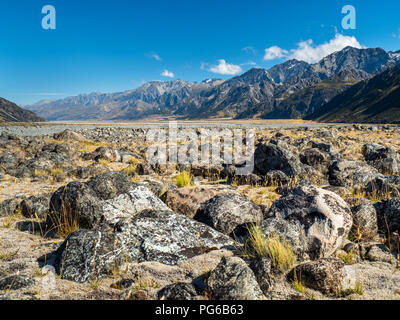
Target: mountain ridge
255, 93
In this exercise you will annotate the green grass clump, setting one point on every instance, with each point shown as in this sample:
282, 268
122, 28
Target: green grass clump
183, 179
358, 289
258, 246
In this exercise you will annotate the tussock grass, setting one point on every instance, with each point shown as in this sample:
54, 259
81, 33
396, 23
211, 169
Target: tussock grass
103, 162
297, 285
258, 245
130, 170
41, 173
64, 223
6, 256
183, 179
56, 172
358, 289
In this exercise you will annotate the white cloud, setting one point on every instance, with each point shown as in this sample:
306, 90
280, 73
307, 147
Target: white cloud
307, 51
154, 56
167, 74
226, 68
250, 49
274, 52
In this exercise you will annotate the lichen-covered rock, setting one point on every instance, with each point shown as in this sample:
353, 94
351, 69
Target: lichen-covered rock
87, 255
365, 219
234, 280
104, 199
326, 275
225, 212
388, 212
68, 135
35, 206
268, 157
161, 236
16, 282
319, 220
178, 291
188, 200
354, 174
262, 268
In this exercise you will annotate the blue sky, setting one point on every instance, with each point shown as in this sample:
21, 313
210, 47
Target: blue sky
117, 45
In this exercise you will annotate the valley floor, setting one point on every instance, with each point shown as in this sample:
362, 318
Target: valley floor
139, 231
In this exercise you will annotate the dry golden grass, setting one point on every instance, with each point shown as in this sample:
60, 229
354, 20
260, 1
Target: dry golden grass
183, 179
258, 245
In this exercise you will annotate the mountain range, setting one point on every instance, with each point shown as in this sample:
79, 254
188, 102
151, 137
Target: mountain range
293, 89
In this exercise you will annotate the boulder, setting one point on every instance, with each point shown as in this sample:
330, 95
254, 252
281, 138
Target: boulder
225, 212
388, 212
16, 282
365, 220
232, 279
104, 199
262, 268
178, 291
68, 135
35, 206
326, 275
316, 216
352, 174
268, 157
161, 236
188, 200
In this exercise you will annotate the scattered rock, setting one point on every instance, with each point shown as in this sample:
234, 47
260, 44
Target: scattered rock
234, 280
320, 215
225, 212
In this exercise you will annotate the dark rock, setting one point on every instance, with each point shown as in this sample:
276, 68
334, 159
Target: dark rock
225, 212
232, 279
16, 282
36, 207
178, 291
325, 275
87, 255
263, 272
160, 236
388, 212
104, 199
268, 157
353, 174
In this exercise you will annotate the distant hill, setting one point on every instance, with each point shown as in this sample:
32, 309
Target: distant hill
375, 100
10, 112
293, 89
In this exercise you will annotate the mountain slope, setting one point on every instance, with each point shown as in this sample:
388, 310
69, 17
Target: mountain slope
376, 100
10, 112
292, 89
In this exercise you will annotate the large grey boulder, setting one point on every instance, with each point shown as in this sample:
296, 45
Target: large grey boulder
352, 174
385, 159
225, 212
268, 157
234, 280
317, 221
388, 212
161, 236
107, 198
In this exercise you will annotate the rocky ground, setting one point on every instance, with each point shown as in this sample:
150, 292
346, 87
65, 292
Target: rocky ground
85, 216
